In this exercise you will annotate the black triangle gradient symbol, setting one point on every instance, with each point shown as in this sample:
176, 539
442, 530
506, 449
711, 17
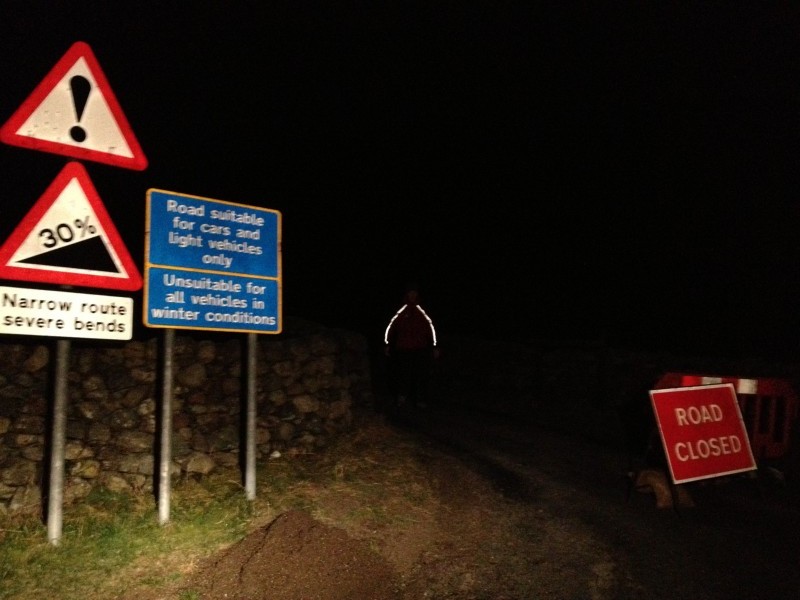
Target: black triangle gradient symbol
89, 255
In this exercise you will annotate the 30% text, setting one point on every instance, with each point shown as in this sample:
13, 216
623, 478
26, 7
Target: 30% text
66, 233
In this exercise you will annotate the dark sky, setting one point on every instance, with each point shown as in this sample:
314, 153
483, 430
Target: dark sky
543, 170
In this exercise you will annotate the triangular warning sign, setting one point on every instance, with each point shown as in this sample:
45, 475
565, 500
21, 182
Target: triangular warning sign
68, 238
73, 112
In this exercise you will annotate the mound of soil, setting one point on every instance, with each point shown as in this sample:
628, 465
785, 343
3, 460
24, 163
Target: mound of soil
296, 557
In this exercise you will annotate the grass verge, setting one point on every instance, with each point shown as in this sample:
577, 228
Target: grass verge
112, 544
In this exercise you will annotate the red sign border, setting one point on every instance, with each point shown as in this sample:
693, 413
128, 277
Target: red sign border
8, 132
72, 170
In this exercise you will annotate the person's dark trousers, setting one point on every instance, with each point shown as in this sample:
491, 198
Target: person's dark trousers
412, 370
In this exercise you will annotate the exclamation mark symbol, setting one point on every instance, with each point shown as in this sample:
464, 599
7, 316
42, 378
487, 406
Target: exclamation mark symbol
80, 88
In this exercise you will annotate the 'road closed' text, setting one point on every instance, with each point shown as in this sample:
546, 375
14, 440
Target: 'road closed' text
702, 449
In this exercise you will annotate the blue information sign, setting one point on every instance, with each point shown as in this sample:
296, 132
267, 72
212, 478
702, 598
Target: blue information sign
211, 264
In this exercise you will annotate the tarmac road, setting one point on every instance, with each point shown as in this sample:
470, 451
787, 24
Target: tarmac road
740, 540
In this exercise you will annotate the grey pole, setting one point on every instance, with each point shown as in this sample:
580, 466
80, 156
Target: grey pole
250, 458
55, 515
165, 463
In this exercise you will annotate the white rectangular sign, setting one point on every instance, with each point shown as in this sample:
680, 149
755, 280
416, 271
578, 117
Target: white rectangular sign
52, 313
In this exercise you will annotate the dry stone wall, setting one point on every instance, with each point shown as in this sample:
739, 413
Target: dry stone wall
309, 380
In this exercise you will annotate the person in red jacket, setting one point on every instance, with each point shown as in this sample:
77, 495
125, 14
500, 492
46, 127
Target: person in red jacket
410, 344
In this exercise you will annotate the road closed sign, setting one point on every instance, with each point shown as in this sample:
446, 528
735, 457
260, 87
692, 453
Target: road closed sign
702, 430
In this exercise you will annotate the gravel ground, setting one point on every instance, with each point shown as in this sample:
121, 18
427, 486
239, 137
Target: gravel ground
451, 504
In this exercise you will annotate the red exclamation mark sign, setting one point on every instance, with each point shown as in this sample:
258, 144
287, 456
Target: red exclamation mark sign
80, 88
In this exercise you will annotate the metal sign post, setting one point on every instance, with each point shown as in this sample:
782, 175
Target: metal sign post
250, 442
55, 492
165, 462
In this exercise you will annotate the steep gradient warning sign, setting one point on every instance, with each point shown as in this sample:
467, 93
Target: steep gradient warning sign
68, 238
